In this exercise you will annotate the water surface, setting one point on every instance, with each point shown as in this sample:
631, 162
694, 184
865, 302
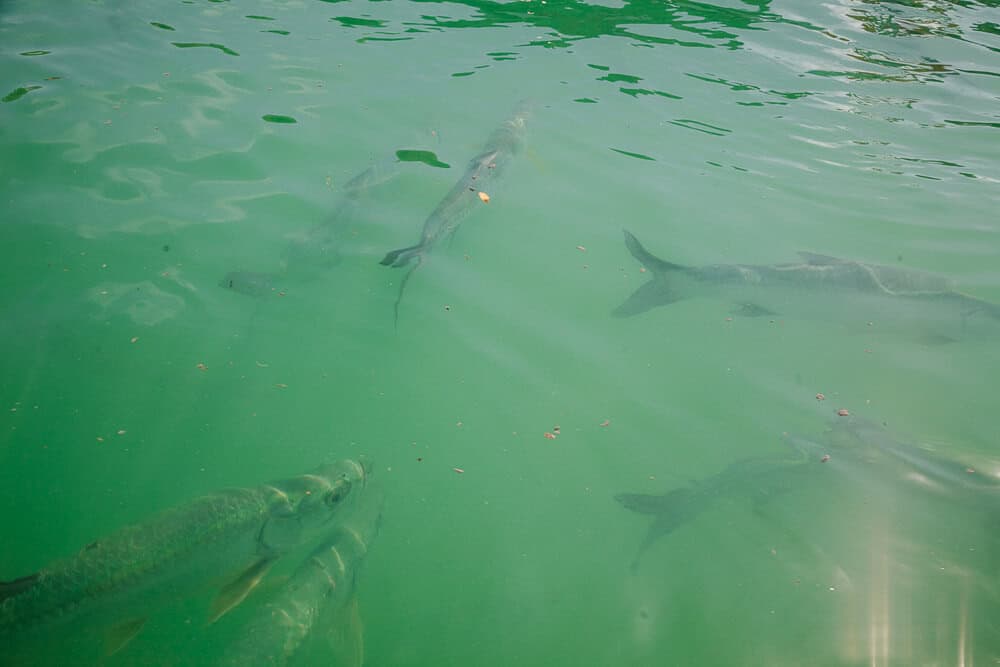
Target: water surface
152, 148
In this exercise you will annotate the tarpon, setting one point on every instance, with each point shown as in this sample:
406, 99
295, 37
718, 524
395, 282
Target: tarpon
756, 479
473, 189
819, 286
320, 247
910, 468
314, 615
231, 538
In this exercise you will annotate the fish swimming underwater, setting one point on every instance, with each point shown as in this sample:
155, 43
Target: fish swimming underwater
483, 172
818, 287
877, 456
756, 479
231, 537
314, 616
320, 247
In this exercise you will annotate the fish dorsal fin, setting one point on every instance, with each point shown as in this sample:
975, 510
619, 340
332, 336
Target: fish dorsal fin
237, 590
9, 589
118, 636
815, 259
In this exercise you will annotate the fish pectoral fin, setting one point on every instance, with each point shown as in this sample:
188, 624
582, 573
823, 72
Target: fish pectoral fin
815, 259
121, 634
237, 590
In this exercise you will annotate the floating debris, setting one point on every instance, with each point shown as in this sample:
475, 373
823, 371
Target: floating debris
606, 422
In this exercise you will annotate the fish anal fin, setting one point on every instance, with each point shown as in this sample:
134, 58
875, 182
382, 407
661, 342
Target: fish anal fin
121, 634
9, 589
237, 590
819, 260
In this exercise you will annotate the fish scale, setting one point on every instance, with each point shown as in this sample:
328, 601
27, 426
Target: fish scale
176, 554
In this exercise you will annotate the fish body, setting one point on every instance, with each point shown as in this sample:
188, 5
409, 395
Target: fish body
482, 173
911, 468
756, 479
232, 536
817, 287
318, 248
303, 622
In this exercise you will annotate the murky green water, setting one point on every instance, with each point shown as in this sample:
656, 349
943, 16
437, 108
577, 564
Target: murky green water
150, 149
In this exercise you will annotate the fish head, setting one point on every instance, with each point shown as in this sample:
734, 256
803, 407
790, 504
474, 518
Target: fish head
308, 504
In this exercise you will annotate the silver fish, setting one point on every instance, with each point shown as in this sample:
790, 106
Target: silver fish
483, 172
320, 247
233, 536
756, 479
301, 622
873, 449
818, 287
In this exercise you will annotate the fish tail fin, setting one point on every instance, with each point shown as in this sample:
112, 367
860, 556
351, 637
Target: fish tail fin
402, 256
646, 258
656, 292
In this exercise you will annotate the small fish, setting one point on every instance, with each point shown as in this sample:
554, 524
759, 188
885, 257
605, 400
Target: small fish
115, 583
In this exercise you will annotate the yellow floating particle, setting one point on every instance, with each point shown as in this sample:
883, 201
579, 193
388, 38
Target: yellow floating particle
485, 197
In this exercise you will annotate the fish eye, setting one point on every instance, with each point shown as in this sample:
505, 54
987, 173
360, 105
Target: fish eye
338, 493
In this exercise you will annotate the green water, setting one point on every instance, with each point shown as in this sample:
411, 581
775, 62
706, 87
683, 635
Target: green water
151, 148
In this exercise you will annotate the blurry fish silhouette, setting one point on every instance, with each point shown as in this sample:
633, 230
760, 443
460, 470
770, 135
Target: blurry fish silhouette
756, 479
319, 249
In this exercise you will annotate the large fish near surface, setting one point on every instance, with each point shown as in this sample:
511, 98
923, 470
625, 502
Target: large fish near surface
231, 538
819, 287
756, 480
483, 172
314, 616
